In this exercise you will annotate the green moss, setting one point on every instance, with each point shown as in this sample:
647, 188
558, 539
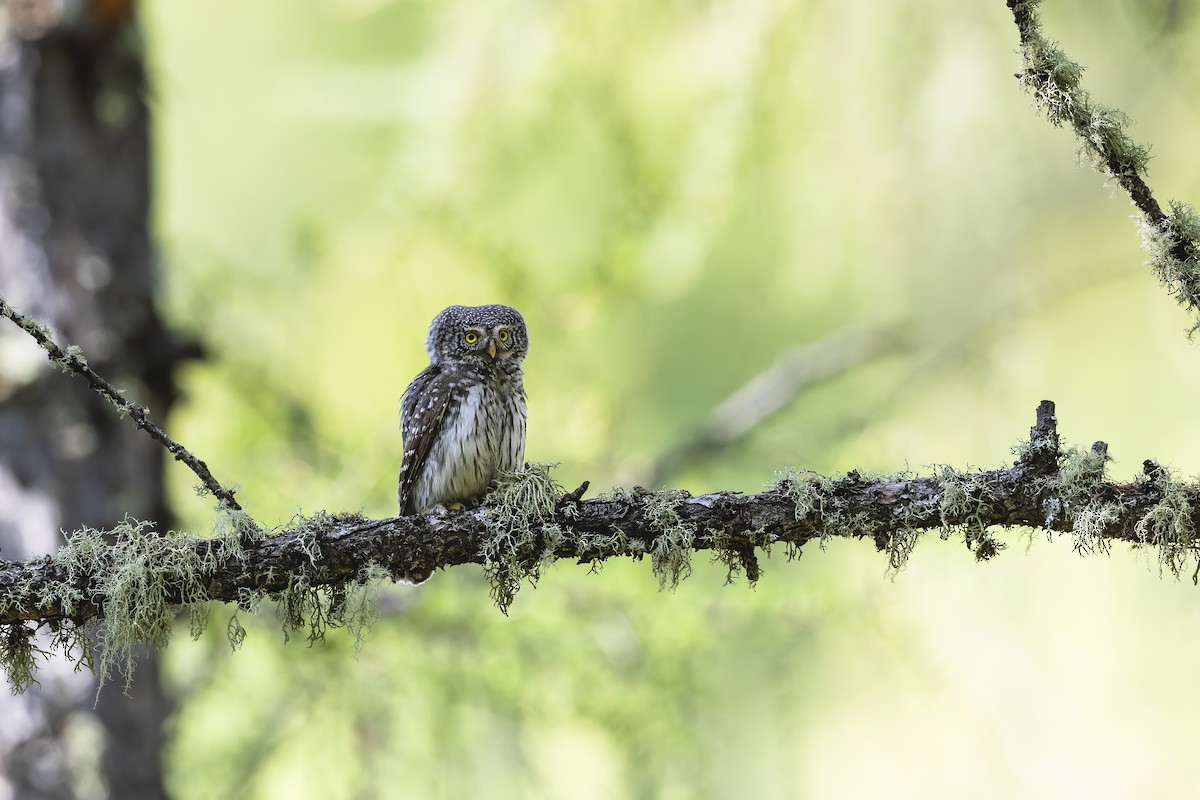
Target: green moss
1073, 493
131, 573
17, 656
72, 359
139, 577
1106, 144
817, 503
725, 553
301, 605
19, 650
1181, 277
813, 496
671, 549
308, 532
1168, 525
808, 490
1053, 80
955, 498
594, 548
144, 569
739, 559
142, 578
234, 531
522, 540
899, 547
235, 632
1055, 83
524, 496
361, 607
1080, 472
965, 496
1090, 523
1185, 220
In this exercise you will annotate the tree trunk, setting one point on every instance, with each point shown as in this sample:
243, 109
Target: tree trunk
75, 253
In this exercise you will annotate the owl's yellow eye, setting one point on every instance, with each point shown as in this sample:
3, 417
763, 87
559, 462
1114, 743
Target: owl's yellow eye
472, 337
503, 336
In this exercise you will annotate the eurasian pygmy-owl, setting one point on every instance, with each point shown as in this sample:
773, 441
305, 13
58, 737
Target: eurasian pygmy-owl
463, 416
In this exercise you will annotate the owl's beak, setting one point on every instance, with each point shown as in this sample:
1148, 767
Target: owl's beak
492, 349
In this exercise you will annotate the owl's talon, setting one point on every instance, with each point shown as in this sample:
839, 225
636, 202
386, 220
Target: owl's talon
442, 510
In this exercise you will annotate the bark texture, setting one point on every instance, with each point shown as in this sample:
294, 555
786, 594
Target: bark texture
75, 252
1044, 488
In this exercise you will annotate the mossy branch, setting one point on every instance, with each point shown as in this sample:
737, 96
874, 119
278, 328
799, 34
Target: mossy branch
1172, 240
324, 571
72, 361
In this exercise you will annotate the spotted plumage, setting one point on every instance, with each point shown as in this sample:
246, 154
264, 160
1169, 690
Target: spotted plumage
463, 416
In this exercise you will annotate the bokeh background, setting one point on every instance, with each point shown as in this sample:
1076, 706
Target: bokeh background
676, 195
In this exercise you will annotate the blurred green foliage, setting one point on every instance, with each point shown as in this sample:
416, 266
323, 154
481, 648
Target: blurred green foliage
674, 194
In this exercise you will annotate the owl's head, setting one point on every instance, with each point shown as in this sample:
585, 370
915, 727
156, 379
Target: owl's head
486, 336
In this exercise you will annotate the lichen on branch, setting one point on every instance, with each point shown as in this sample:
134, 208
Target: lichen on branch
71, 361
126, 587
1172, 241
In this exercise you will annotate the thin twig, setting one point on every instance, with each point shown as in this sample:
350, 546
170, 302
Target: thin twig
73, 362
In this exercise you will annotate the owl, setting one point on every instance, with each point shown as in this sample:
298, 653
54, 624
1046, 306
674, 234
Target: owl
463, 416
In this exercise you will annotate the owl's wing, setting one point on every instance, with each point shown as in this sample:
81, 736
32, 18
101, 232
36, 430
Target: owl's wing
422, 409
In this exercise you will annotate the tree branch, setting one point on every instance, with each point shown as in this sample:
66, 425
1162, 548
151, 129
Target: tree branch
1171, 240
776, 387
73, 362
319, 568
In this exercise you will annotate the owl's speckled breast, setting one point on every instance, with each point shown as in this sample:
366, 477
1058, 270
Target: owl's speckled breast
482, 433
463, 416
